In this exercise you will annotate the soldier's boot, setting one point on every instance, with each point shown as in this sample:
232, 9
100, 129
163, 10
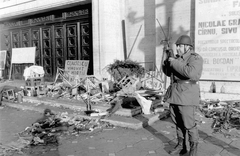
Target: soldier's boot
180, 148
193, 149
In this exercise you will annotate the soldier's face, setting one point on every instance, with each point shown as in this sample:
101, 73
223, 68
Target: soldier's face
180, 49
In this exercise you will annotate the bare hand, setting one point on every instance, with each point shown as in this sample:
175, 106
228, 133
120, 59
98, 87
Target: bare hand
171, 59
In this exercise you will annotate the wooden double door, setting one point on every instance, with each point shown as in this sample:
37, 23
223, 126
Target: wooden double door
54, 44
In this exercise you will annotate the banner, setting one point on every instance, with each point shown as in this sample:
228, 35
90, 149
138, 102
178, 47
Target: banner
23, 55
3, 54
217, 38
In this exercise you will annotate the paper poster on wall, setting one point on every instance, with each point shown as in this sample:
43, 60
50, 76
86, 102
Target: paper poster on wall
217, 38
3, 54
23, 55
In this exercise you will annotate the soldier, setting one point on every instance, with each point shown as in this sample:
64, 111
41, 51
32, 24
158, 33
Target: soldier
183, 94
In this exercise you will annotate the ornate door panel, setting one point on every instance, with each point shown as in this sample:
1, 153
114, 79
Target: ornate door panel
16, 39
54, 45
79, 43
20, 39
47, 52
17, 69
35, 37
86, 45
72, 41
25, 38
59, 54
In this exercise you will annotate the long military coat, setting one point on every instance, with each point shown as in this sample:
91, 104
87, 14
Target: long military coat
186, 67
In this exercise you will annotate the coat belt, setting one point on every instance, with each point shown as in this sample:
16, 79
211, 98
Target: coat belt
186, 81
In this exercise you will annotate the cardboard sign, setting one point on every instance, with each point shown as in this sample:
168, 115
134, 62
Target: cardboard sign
153, 83
3, 54
152, 80
76, 70
23, 55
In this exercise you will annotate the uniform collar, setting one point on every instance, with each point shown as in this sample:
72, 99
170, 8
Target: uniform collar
186, 55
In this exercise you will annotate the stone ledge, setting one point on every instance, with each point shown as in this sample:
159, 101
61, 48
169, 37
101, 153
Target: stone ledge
220, 96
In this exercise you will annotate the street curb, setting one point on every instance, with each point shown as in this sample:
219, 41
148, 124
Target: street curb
21, 107
79, 106
121, 121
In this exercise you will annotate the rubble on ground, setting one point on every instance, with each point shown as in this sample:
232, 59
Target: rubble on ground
46, 129
225, 115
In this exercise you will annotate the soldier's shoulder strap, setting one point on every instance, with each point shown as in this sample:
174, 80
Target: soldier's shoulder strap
196, 55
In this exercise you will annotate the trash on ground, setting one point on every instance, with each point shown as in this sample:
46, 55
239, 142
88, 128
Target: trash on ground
225, 115
48, 129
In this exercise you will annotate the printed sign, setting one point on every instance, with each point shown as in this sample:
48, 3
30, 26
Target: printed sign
23, 55
76, 70
217, 38
3, 54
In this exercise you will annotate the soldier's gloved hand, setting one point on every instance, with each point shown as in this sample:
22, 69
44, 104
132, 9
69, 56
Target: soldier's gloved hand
166, 62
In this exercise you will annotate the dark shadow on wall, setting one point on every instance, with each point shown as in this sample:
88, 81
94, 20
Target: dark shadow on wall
148, 41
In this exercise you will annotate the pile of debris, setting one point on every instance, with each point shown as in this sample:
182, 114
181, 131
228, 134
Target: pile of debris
129, 78
91, 91
47, 129
225, 115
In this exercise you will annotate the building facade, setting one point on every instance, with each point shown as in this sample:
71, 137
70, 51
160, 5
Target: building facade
96, 30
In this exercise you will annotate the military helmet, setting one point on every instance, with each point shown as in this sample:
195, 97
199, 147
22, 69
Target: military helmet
47, 110
184, 39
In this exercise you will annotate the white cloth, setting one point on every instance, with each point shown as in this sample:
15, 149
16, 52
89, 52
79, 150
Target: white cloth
32, 71
144, 103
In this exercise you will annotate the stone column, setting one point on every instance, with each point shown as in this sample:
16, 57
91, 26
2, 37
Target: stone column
107, 16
